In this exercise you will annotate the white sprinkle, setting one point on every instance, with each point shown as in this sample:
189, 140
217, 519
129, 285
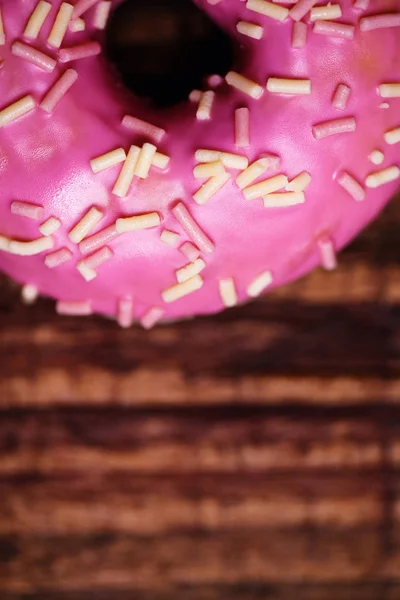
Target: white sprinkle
101, 15
97, 240
351, 186
268, 9
127, 173
273, 161
87, 273
31, 248
34, 56
145, 160
392, 136
60, 26
299, 34
327, 252
143, 128
205, 170
243, 84
289, 86
77, 25
327, 12
376, 157
189, 251
334, 29
136, 222
229, 160
98, 258
384, 105
58, 90
57, 258
267, 186
190, 270
75, 309
105, 161
301, 8
214, 81
125, 312
205, 106
85, 225
50, 226
341, 96
259, 284
227, 291
180, 290
27, 209
79, 52
210, 188
246, 177
250, 29
29, 294
381, 21
379, 178
160, 160
284, 199
361, 4
88, 265
4, 243
192, 228
195, 96
37, 19
389, 90
299, 183
334, 127
151, 317
2, 32
242, 127
171, 238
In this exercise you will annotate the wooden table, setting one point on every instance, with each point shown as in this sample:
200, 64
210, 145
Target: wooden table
252, 455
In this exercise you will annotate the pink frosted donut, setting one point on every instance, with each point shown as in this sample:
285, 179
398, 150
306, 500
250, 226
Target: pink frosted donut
109, 205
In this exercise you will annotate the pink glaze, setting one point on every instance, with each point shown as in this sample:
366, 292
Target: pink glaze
46, 161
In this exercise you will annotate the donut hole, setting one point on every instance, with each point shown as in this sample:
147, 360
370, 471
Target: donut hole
163, 49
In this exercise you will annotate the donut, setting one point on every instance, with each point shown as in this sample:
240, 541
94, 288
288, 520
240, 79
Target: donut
141, 213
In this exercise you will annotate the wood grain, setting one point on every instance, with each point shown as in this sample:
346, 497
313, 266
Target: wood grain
251, 455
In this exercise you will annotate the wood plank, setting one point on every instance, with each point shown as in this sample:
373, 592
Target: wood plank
122, 561
149, 386
268, 355
89, 504
187, 441
341, 591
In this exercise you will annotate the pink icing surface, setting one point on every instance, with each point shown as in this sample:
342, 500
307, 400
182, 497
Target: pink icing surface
45, 160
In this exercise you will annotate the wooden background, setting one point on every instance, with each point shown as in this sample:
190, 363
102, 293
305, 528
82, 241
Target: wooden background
252, 455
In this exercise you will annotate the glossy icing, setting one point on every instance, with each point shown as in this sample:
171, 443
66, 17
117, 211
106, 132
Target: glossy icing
45, 160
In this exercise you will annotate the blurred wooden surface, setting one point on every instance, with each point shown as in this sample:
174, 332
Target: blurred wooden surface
252, 455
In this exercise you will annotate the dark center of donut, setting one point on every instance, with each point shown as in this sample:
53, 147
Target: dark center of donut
163, 49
